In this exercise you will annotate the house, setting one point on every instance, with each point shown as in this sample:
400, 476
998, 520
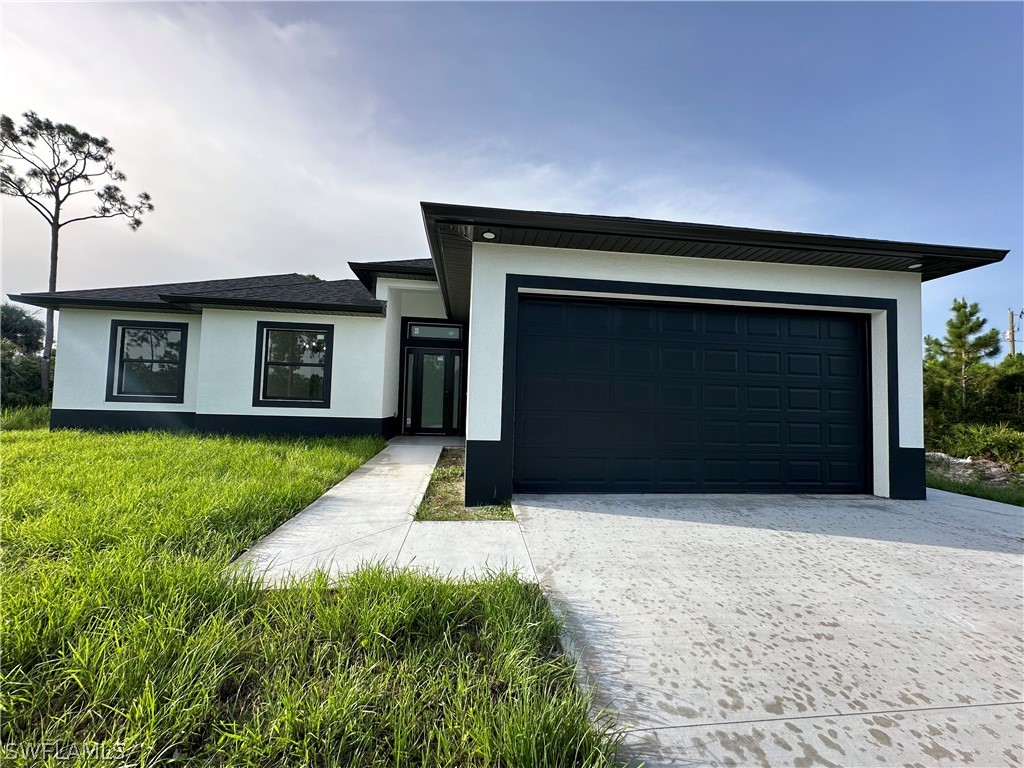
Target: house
575, 353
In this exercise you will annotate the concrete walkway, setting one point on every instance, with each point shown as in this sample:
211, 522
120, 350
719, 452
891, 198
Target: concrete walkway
368, 518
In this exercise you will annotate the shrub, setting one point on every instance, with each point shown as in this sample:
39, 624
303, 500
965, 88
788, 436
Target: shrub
998, 442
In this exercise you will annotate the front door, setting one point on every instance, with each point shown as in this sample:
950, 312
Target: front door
433, 391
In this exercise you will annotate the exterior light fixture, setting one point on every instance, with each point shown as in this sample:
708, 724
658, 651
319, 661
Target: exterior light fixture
914, 266
488, 235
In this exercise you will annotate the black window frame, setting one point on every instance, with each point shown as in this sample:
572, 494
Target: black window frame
115, 362
261, 369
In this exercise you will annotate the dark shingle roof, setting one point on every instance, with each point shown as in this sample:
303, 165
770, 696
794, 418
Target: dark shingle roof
281, 292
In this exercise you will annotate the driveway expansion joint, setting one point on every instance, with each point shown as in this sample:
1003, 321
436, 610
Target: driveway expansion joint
796, 718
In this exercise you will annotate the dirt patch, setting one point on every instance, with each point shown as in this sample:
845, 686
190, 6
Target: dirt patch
972, 469
447, 491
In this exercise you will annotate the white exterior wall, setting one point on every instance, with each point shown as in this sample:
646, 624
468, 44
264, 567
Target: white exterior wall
80, 378
405, 298
492, 262
228, 357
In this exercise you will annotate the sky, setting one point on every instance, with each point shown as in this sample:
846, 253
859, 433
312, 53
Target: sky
298, 137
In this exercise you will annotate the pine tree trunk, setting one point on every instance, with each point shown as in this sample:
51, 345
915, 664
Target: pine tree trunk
963, 387
44, 369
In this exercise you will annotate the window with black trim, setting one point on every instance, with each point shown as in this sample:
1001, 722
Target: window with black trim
293, 365
146, 362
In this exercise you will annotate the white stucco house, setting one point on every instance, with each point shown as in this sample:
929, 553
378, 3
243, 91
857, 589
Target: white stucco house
575, 353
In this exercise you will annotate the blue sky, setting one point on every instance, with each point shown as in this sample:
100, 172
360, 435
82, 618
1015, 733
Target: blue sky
300, 136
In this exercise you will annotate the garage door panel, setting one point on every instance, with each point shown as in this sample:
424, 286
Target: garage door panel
634, 360
803, 364
634, 317
805, 472
590, 319
665, 398
722, 472
584, 430
677, 360
764, 434
765, 472
764, 398
673, 395
804, 399
589, 356
804, 327
721, 396
763, 363
721, 361
676, 322
720, 433
721, 324
679, 430
547, 429
543, 392
546, 356
764, 326
842, 366
842, 400
634, 395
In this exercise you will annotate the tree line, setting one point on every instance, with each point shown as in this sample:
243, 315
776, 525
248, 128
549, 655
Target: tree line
962, 382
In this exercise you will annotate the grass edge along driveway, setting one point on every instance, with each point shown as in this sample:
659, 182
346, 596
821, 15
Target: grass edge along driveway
123, 637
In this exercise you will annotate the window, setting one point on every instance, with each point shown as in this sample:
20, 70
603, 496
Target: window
421, 331
293, 365
146, 363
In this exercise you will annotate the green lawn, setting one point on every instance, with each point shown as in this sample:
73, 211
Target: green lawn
1008, 494
446, 494
121, 629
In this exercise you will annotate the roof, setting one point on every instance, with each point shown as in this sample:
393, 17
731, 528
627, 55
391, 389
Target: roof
402, 269
452, 230
282, 293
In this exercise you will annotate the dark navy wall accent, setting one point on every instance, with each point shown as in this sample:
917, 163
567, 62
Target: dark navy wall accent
906, 473
118, 421
488, 472
314, 426
218, 423
492, 467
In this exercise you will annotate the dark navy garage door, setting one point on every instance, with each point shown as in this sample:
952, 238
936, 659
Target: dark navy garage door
620, 397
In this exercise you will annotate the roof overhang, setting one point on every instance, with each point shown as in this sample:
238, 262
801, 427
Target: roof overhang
376, 309
56, 301
369, 273
193, 305
452, 230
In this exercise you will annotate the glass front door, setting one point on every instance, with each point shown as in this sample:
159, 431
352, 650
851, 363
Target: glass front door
433, 391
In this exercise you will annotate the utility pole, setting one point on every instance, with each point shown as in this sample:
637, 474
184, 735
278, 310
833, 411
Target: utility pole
1009, 336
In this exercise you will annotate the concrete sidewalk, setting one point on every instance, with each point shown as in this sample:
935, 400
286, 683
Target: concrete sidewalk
368, 517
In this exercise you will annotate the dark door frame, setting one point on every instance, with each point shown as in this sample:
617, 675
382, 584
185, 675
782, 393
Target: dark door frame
489, 462
440, 345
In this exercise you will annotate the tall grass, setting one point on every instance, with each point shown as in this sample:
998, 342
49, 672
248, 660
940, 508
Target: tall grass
122, 630
25, 417
1007, 494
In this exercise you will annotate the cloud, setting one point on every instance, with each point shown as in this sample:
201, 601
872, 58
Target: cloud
264, 150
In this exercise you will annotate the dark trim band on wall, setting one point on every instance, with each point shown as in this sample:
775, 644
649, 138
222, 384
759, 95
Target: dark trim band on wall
130, 421
489, 462
309, 426
122, 421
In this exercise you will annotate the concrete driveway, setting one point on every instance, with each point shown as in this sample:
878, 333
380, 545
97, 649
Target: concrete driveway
805, 631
